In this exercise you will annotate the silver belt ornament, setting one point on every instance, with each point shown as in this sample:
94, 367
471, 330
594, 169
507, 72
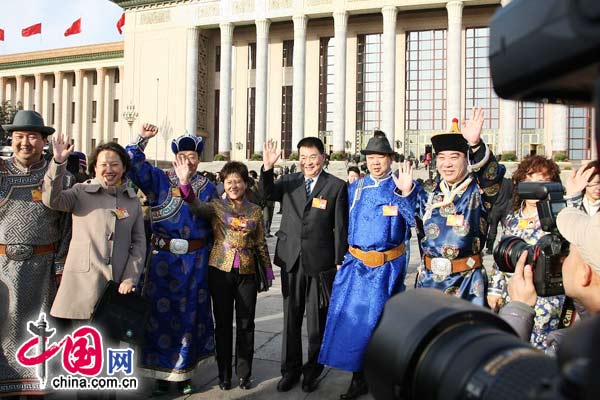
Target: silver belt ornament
178, 246
440, 267
19, 252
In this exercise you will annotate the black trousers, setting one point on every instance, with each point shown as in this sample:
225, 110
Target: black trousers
268, 217
300, 293
229, 289
493, 219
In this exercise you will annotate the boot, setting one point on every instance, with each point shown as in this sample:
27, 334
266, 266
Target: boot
358, 387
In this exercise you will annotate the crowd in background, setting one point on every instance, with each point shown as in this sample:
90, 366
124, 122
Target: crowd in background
194, 244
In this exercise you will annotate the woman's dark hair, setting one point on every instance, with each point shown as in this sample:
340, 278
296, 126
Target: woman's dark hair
532, 165
112, 146
235, 167
596, 166
354, 169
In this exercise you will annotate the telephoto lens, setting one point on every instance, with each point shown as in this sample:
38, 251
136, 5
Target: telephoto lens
509, 250
429, 346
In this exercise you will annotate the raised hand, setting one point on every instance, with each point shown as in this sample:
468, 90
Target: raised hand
404, 180
270, 154
471, 130
61, 148
578, 180
182, 169
148, 131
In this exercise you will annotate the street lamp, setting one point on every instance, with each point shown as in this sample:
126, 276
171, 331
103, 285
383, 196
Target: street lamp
130, 116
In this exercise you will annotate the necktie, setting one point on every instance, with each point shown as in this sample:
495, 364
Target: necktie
307, 184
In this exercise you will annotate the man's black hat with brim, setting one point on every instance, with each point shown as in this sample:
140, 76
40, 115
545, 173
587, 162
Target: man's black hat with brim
378, 144
29, 121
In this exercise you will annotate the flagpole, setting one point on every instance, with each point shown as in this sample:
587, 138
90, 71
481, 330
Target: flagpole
156, 119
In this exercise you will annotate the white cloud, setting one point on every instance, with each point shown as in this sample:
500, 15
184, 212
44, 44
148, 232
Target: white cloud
98, 23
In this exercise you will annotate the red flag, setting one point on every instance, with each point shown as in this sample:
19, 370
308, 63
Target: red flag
32, 30
74, 29
120, 23
2, 35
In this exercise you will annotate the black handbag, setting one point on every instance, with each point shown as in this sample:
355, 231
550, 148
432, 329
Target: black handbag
121, 316
262, 284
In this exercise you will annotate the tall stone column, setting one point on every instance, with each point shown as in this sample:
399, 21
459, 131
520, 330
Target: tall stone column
19, 95
453, 60
2, 89
78, 126
191, 91
508, 124
58, 100
262, 56
225, 89
39, 78
388, 123
101, 78
508, 119
340, 21
560, 126
47, 99
298, 94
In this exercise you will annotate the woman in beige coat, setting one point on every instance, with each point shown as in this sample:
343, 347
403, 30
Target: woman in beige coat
108, 240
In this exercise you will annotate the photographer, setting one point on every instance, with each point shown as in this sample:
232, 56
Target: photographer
580, 269
524, 222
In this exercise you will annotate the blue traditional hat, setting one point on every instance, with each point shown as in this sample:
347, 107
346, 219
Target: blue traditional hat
187, 142
82, 158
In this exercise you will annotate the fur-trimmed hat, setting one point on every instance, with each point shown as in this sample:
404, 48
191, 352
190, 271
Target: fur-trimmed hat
187, 142
450, 141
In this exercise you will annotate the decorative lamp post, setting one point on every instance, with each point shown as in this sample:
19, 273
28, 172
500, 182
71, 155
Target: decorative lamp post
130, 116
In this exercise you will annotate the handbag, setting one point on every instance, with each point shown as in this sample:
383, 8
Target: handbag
262, 284
121, 316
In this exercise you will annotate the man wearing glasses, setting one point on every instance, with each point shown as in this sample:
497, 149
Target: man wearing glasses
311, 242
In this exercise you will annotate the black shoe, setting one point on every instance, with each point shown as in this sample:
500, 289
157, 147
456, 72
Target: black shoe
309, 385
224, 385
245, 383
160, 388
358, 387
287, 382
185, 387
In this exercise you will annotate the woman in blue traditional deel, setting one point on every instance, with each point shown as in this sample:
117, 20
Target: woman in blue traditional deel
454, 212
180, 331
382, 208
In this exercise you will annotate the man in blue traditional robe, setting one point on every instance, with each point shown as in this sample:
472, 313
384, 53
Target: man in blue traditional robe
382, 209
454, 212
180, 331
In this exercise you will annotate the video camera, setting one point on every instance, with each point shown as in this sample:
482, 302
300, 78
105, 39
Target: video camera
547, 255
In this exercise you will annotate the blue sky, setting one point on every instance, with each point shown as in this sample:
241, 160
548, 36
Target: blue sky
98, 23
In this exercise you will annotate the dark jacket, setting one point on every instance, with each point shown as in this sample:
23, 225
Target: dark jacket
320, 236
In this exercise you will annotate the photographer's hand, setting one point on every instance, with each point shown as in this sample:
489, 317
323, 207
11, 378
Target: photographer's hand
520, 285
578, 180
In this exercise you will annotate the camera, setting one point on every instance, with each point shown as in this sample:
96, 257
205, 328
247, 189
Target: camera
431, 346
547, 255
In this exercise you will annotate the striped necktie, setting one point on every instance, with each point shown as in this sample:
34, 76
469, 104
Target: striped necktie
307, 184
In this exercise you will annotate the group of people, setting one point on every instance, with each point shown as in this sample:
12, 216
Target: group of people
343, 248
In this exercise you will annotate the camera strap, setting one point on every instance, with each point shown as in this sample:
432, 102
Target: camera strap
567, 315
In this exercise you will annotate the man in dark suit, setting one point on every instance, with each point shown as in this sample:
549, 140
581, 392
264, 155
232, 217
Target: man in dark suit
311, 242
